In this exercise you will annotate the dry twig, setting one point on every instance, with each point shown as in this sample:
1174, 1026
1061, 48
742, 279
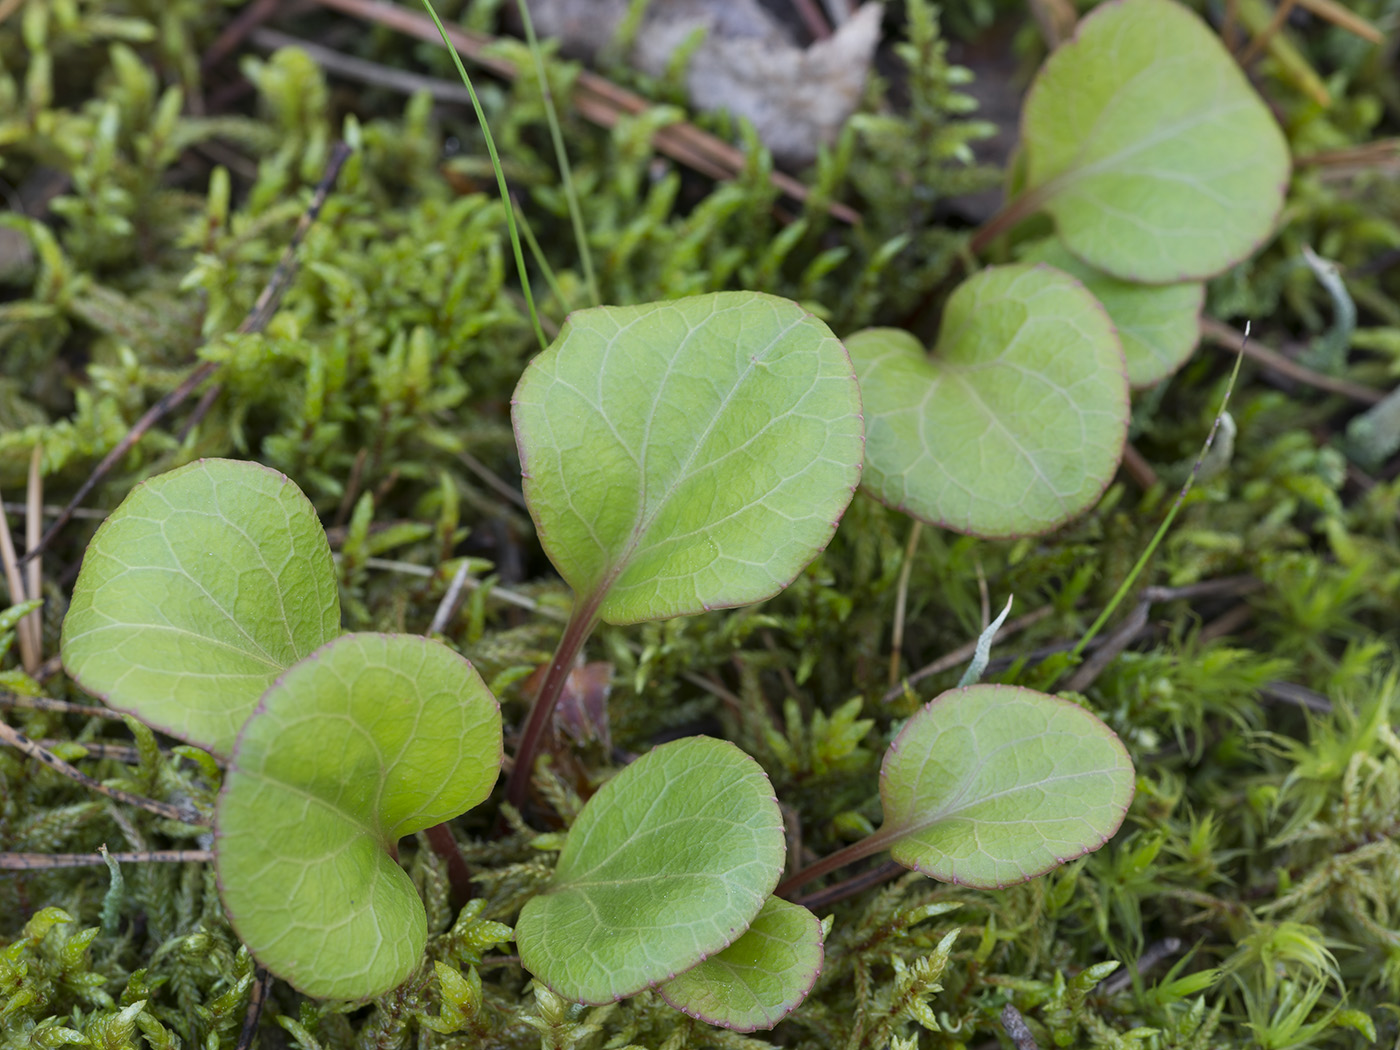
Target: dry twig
1227, 338
596, 98
48, 861
16, 739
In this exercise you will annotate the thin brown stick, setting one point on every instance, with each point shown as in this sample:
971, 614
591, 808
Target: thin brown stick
43, 703
1260, 43
1113, 645
33, 528
901, 601
256, 320
1137, 468
52, 510
459, 876
257, 997
839, 891
252, 16
1016, 1029
1301, 696
46, 861
450, 600
1227, 623
963, 653
493, 481
19, 741
126, 753
1365, 156
201, 409
1230, 25
1056, 20
362, 70
14, 580
812, 18
1339, 16
596, 98
1227, 338
1155, 954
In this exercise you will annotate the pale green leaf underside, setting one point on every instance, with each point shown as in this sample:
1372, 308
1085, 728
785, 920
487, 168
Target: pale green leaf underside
1156, 158
991, 785
667, 864
1159, 324
688, 455
1014, 424
760, 978
201, 588
371, 738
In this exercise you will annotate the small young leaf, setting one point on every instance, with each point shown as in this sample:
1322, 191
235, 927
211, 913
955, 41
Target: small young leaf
1016, 421
687, 455
991, 785
667, 864
1147, 145
1159, 324
200, 589
370, 738
760, 978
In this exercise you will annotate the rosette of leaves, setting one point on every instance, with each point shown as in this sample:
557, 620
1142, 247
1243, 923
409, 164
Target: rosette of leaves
207, 606
665, 882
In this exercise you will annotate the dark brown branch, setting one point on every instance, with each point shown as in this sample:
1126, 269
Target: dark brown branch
1227, 338
257, 997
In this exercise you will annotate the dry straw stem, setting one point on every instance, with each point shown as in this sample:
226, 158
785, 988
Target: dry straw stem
1229, 339
596, 98
17, 740
28, 630
45, 861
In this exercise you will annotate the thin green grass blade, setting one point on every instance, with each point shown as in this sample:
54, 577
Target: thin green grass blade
500, 175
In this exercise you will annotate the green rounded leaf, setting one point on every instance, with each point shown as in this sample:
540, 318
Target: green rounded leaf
687, 455
1146, 143
1014, 423
1159, 324
760, 978
991, 785
370, 738
667, 864
196, 593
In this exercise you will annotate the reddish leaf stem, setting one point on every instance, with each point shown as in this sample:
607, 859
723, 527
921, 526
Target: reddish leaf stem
576, 632
459, 876
866, 847
1016, 210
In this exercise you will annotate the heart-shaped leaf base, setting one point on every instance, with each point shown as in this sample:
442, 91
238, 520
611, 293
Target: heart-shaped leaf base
1014, 424
370, 738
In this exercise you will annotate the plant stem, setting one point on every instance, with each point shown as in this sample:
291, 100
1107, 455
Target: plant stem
866, 847
561, 155
576, 632
1161, 532
1012, 213
500, 175
459, 876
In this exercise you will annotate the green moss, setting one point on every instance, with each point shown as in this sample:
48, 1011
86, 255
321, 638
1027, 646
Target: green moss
1262, 837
